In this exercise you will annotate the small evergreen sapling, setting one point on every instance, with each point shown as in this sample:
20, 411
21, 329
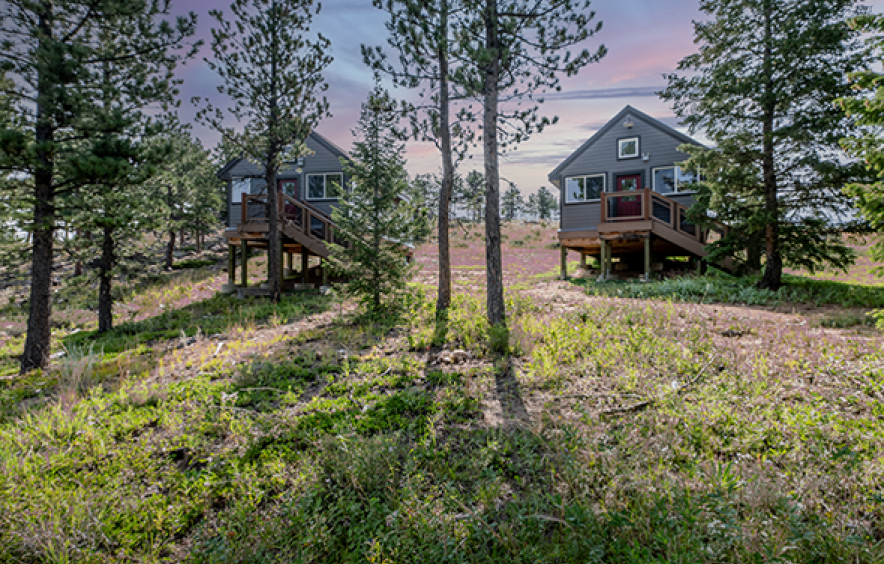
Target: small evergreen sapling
372, 215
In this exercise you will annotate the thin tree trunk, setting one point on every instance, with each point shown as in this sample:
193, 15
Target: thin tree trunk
170, 250
78, 263
274, 265
105, 279
199, 242
39, 335
443, 300
773, 268
494, 267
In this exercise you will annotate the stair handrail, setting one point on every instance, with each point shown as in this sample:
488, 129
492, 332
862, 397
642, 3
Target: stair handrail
675, 212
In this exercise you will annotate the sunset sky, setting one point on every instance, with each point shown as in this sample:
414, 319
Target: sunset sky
645, 39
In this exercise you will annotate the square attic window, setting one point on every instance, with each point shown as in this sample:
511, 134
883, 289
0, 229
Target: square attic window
628, 148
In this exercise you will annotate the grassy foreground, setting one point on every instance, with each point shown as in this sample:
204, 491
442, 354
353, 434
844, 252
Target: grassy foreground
615, 431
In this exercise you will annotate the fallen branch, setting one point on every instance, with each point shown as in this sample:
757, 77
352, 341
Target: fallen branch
649, 402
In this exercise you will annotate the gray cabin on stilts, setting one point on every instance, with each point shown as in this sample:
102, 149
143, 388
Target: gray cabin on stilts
307, 192
625, 199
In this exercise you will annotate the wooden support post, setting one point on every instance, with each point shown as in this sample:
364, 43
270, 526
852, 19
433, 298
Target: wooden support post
231, 264
564, 258
305, 264
245, 265
289, 261
323, 264
603, 259
582, 260
648, 257
281, 263
609, 268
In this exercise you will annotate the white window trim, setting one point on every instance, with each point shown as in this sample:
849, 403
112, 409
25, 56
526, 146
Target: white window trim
638, 149
604, 188
325, 196
677, 190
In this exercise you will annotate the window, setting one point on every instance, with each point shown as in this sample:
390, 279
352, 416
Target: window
584, 188
238, 188
670, 179
628, 148
324, 186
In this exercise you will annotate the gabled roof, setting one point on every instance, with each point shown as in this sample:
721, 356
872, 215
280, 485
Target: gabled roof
322, 140
612, 123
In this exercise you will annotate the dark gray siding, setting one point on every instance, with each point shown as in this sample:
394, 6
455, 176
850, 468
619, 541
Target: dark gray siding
323, 159
579, 216
601, 158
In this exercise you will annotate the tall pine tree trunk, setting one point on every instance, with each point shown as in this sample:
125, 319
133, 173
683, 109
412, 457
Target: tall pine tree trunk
274, 265
443, 300
494, 266
39, 336
105, 279
773, 268
170, 250
274, 257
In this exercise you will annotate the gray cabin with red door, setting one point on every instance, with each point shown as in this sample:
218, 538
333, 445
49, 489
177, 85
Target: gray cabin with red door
316, 179
624, 197
308, 191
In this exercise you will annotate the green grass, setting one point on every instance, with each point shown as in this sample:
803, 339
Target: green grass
722, 289
647, 437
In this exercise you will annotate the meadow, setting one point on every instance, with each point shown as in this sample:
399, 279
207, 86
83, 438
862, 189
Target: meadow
687, 420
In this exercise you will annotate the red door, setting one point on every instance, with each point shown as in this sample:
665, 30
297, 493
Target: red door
628, 206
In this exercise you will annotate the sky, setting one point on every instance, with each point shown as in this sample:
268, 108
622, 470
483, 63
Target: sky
645, 40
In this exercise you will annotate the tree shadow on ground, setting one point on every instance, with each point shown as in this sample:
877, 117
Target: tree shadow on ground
509, 394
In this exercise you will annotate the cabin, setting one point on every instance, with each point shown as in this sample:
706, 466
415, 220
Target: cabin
624, 198
307, 192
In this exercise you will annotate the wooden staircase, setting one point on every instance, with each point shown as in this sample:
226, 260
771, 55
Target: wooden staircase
304, 230
300, 223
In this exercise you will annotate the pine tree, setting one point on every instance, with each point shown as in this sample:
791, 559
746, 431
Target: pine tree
421, 32
867, 107
473, 194
189, 196
547, 203
512, 203
54, 52
516, 49
424, 192
372, 215
272, 74
761, 88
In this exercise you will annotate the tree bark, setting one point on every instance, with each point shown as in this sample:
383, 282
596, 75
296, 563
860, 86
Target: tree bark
274, 264
170, 250
773, 268
494, 267
105, 279
443, 301
39, 331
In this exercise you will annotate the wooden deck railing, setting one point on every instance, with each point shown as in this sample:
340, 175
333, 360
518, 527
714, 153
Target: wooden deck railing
294, 213
644, 205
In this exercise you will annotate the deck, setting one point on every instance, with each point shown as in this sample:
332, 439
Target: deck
304, 230
641, 224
